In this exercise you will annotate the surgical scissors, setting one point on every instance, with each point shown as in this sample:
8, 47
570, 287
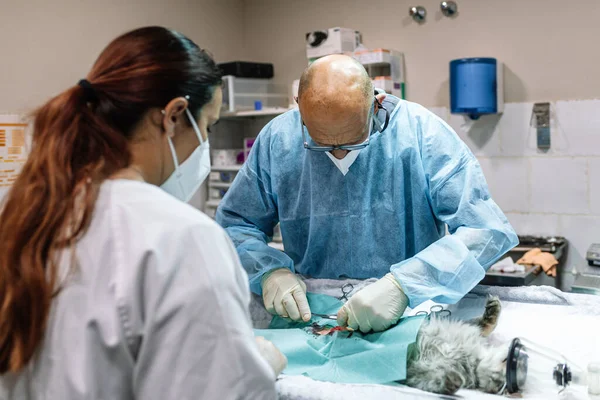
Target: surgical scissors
437, 311
346, 290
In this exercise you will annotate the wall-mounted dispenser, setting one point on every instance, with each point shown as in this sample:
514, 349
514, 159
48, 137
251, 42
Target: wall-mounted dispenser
476, 87
540, 119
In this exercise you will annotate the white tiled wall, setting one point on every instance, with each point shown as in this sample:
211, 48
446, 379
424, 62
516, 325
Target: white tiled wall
559, 185
514, 198
553, 192
594, 177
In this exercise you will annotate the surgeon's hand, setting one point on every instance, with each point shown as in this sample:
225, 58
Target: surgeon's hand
276, 359
284, 294
376, 307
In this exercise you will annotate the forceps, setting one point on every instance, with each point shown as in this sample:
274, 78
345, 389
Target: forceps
346, 290
326, 316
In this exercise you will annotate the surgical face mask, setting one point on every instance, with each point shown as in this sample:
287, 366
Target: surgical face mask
344, 164
189, 175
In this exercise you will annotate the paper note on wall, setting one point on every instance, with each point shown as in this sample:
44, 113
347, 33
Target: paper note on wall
12, 150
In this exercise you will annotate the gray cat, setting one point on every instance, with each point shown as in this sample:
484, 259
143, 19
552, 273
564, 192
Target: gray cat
451, 355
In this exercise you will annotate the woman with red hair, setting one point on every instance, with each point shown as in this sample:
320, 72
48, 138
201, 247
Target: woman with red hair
111, 287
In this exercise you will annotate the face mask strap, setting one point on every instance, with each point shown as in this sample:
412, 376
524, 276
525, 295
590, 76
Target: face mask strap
196, 130
194, 125
173, 154
380, 128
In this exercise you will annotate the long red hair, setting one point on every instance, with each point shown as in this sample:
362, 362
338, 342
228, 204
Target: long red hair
80, 138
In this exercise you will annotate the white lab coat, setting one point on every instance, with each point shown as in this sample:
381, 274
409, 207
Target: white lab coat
157, 308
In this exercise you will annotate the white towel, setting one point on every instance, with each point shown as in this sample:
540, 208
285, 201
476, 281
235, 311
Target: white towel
507, 265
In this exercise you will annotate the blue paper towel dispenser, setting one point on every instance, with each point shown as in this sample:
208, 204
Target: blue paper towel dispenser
476, 86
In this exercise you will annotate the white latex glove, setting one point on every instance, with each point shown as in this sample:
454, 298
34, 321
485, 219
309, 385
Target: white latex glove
284, 294
274, 357
376, 307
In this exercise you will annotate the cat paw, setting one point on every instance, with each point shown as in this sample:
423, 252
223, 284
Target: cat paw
452, 382
436, 381
489, 320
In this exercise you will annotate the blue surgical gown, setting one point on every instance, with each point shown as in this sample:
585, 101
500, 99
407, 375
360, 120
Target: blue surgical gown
388, 213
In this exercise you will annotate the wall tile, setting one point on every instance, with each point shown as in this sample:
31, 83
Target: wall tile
508, 180
579, 123
559, 185
580, 231
594, 176
534, 224
515, 130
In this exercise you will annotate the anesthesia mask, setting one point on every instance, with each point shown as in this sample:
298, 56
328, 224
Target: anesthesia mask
536, 369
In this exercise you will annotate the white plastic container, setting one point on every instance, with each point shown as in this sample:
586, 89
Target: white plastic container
224, 157
331, 41
223, 176
214, 176
383, 65
383, 82
216, 193
242, 94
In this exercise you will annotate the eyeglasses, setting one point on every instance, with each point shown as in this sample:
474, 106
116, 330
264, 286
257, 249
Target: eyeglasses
347, 147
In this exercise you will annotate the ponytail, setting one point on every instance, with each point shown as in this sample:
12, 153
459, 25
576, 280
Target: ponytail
46, 210
81, 138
